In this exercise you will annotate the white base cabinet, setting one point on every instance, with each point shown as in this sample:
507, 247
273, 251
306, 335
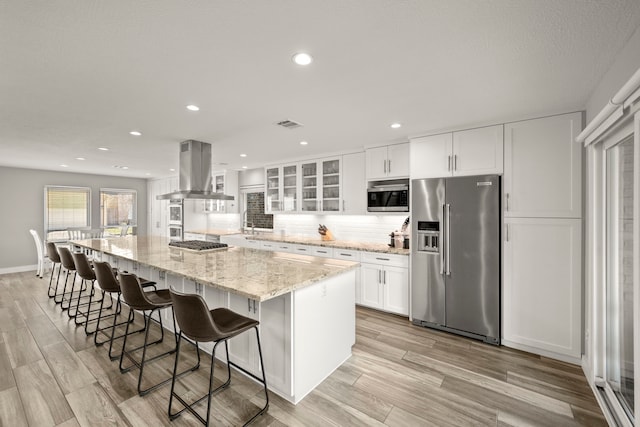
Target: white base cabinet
384, 283
542, 285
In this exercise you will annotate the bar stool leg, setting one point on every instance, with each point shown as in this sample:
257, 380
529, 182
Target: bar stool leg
53, 268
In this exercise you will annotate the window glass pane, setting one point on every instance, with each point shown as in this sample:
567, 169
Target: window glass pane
66, 207
620, 200
117, 208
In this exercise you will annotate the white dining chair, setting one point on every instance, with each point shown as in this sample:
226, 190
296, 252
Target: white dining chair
40, 251
124, 230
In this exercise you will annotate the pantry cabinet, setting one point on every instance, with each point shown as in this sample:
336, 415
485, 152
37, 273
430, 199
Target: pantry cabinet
158, 209
391, 161
542, 285
543, 167
463, 153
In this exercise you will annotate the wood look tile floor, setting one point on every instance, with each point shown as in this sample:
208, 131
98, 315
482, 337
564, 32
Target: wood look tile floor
399, 375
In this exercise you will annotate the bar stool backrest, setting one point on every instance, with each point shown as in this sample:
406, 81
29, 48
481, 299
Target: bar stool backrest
132, 292
66, 258
193, 317
82, 266
52, 252
106, 279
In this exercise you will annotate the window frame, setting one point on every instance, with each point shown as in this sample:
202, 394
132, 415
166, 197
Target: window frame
68, 188
134, 221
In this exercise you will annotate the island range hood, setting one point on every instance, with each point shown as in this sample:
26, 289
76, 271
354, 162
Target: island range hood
195, 174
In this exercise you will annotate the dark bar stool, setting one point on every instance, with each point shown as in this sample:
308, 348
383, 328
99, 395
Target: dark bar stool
66, 259
147, 302
87, 274
54, 257
106, 277
200, 324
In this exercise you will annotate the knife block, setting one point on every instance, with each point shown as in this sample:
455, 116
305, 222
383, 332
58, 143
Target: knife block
328, 236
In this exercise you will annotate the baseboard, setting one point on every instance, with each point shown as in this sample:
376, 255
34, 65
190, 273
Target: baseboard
19, 269
545, 353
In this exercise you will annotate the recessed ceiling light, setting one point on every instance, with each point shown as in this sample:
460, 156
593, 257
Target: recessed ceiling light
103, 149
244, 167
243, 155
172, 170
64, 166
302, 58
135, 133
303, 142
193, 107
396, 125
80, 158
125, 167
147, 174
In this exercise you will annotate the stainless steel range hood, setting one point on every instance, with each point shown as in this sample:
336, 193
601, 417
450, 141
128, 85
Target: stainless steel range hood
195, 174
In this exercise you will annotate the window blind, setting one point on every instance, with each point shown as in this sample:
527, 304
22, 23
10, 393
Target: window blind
66, 207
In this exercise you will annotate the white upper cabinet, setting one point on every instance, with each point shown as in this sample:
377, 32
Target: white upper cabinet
390, 161
470, 152
431, 156
543, 167
478, 151
354, 185
225, 182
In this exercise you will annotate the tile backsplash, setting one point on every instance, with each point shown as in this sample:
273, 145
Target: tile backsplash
366, 228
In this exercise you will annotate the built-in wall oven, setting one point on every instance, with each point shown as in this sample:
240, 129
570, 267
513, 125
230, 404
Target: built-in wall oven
176, 219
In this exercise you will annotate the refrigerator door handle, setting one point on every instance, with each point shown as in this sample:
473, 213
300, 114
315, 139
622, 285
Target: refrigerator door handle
442, 242
448, 244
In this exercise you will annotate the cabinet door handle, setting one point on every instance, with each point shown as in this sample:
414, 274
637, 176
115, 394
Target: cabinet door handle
254, 306
385, 166
448, 163
383, 259
379, 276
506, 208
455, 162
389, 165
384, 277
248, 305
346, 254
507, 232
343, 206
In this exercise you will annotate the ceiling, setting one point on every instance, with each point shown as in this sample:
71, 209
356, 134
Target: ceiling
76, 75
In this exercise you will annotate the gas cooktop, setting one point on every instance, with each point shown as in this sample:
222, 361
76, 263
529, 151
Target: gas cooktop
198, 245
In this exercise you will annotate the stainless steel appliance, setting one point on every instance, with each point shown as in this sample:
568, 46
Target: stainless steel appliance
175, 232
455, 255
388, 196
176, 209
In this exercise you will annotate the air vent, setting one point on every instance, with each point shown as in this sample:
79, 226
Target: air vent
289, 124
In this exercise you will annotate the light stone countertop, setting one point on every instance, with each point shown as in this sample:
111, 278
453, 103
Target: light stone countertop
341, 244
255, 274
213, 231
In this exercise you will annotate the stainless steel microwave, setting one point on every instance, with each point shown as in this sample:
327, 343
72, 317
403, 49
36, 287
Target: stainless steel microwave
388, 198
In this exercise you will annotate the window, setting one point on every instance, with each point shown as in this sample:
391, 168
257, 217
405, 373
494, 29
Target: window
254, 216
64, 208
117, 208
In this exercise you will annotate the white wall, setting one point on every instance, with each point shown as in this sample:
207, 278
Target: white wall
22, 207
626, 63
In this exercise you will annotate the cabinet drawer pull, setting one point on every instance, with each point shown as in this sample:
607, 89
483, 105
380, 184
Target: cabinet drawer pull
346, 254
383, 259
302, 249
448, 163
322, 252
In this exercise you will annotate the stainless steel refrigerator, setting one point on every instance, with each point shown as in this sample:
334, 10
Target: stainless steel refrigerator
455, 255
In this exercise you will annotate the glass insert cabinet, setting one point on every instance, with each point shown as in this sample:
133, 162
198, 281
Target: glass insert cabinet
305, 187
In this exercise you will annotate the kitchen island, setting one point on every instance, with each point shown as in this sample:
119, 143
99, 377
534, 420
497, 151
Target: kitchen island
305, 305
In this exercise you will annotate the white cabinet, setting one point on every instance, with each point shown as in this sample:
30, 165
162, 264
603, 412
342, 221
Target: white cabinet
243, 349
543, 167
225, 182
384, 283
469, 152
354, 185
390, 161
158, 209
542, 285
312, 186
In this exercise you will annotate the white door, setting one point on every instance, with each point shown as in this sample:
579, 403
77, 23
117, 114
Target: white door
354, 185
478, 151
372, 294
542, 284
396, 290
431, 156
376, 162
398, 161
543, 167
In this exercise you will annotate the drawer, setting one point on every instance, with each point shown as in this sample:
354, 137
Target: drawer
385, 259
302, 249
285, 247
346, 254
322, 251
